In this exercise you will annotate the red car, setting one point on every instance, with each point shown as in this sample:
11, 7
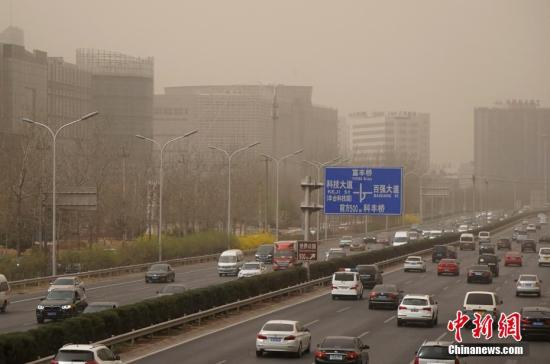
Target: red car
448, 266
513, 258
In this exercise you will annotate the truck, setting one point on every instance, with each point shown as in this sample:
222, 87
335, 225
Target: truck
285, 254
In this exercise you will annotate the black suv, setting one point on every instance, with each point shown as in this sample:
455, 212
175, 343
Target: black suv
264, 253
487, 248
491, 260
529, 244
60, 303
443, 252
370, 275
504, 243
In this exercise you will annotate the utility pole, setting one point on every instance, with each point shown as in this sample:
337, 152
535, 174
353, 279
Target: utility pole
474, 196
266, 227
125, 155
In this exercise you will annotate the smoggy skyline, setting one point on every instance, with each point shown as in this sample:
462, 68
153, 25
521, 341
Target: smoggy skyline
441, 57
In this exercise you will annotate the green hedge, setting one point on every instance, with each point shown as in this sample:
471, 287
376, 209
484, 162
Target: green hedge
27, 346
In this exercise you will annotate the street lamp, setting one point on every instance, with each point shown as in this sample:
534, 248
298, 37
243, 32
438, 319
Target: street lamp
277, 163
229, 157
54, 135
319, 166
161, 177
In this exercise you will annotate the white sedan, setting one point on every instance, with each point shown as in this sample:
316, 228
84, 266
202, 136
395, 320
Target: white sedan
414, 263
251, 269
283, 336
68, 283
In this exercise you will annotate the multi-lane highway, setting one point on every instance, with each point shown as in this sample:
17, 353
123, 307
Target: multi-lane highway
378, 328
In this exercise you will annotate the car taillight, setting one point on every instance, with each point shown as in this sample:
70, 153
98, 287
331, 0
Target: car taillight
427, 309
290, 337
525, 321
547, 322
457, 361
373, 294
402, 307
416, 360
262, 337
354, 287
470, 274
54, 361
320, 354
334, 287
392, 295
351, 355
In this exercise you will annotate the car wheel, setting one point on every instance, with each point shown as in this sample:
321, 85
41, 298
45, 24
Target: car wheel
399, 322
146, 281
40, 320
435, 322
259, 353
538, 294
333, 297
299, 352
517, 294
4, 306
431, 323
308, 349
370, 306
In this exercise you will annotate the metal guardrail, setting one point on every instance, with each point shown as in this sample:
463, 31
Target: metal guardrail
197, 317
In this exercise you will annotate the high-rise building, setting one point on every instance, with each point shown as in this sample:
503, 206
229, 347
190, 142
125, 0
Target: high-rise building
511, 145
23, 86
388, 138
13, 35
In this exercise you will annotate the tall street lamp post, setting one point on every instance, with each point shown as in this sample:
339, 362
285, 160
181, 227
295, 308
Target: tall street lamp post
54, 135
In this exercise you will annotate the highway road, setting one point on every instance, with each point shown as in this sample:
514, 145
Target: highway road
389, 344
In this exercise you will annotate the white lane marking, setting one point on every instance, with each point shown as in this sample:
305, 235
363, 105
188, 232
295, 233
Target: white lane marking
222, 362
389, 319
363, 334
343, 309
445, 288
311, 323
441, 336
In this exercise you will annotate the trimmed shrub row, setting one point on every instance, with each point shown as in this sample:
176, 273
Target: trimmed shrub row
27, 346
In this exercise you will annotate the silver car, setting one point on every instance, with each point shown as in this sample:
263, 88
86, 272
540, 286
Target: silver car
67, 283
437, 352
283, 336
528, 284
414, 263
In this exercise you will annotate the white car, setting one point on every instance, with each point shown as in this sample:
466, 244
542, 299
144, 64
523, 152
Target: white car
528, 284
463, 228
531, 227
437, 352
347, 283
482, 302
417, 308
250, 269
93, 353
67, 283
414, 263
544, 256
283, 336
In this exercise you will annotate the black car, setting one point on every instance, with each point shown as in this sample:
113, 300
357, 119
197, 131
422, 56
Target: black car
264, 253
504, 243
480, 274
342, 349
544, 239
491, 260
59, 304
487, 248
161, 272
529, 244
369, 239
535, 321
385, 295
370, 275
443, 252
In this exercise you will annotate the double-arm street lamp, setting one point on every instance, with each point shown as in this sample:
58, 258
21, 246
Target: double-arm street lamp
277, 163
162, 148
229, 157
54, 135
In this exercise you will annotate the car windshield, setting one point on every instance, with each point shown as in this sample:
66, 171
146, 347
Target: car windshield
338, 343
528, 278
400, 239
63, 282
228, 259
283, 254
440, 249
488, 258
159, 268
346, 238
60, 295
344, 277
545, 251
278, 327
366, 269
536, 313
172, 289
251, 266
385, 288
75, 356
448, 261
479, 299
415, 302
466, 238
435, 352
413, 259
479, 267
265, 249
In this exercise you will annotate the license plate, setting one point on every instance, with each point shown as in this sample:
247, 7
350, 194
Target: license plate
538, 323
51, 313
414, 310
275, 339
477, 274
382, 297
336, 357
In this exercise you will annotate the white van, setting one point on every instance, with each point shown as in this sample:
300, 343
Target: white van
481, 302
4, 293
230, 262
346, 283
400, 238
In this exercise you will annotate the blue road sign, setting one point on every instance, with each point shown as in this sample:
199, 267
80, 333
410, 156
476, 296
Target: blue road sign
363, 191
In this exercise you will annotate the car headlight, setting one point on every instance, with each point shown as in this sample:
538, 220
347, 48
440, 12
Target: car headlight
66, 307
40, 307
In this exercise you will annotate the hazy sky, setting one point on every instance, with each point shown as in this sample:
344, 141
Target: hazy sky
437, 56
